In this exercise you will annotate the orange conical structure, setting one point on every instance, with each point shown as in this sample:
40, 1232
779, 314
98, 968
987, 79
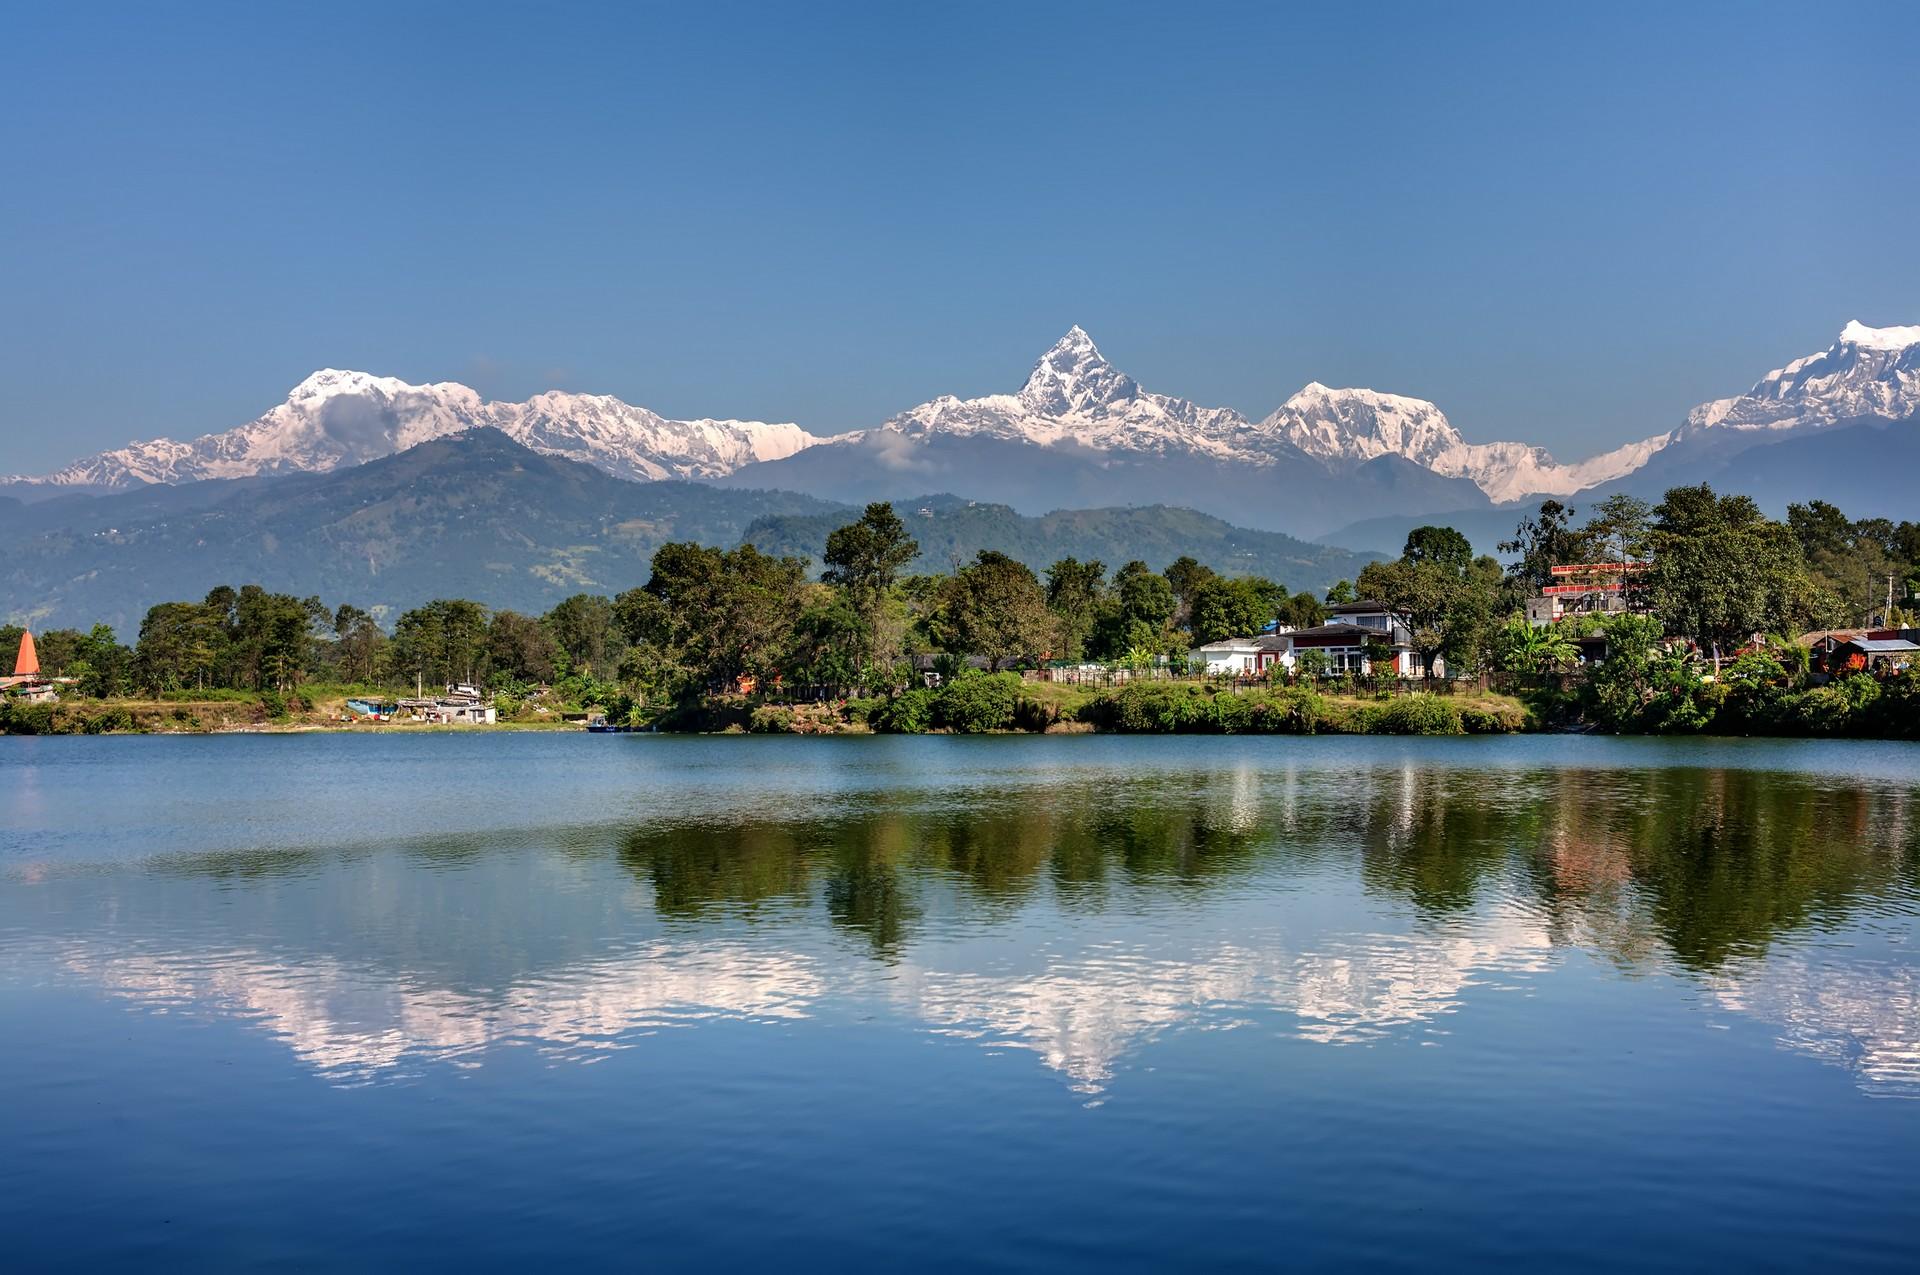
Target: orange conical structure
28, 662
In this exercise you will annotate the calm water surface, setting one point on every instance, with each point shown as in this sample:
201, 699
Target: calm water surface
1063, 1003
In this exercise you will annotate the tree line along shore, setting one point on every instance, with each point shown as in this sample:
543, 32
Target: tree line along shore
1710, 637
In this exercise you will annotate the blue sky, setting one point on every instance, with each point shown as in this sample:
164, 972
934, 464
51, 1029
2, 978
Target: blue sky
1563, 225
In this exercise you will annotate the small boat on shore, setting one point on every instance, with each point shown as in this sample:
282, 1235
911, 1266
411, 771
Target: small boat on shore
601, 726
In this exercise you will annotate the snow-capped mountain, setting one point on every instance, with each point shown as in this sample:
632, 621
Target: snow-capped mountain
1868, 372
1074, 396
1074, 404
338, 418
1358, 425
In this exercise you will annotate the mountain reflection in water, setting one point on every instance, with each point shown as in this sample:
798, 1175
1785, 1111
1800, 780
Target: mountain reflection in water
1080, 916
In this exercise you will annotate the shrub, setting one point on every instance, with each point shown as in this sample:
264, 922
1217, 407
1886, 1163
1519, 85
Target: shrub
1895, 713
1233, 714
111, 719
977, 703
273, 703
1415, 715
770, 719
1299, 710
1824, 710
1146, 708
1035, 714
29, 719
908, 713
1492, 718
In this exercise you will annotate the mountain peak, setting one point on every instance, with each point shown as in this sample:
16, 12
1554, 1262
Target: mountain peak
334, 380
1858, 333
1073, 376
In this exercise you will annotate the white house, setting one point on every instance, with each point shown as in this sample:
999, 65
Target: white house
1232, 656
1351, 627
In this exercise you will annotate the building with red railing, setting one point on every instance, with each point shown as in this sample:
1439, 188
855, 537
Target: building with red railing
1590, 588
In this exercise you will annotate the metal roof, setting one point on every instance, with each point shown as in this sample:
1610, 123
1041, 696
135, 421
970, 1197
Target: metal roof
1882, 646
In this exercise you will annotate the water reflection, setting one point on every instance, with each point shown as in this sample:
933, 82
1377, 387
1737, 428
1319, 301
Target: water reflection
1079, 919
352, 1022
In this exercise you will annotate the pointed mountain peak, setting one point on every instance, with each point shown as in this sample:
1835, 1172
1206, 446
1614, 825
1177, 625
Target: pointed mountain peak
1075, 339
1074, 376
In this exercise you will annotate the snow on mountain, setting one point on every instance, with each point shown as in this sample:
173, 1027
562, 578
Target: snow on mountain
1075, 397
337, 418
1355, 425
1867, 372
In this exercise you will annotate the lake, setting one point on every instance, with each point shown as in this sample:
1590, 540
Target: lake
1021, 1003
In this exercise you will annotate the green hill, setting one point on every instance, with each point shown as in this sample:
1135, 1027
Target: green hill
951, 530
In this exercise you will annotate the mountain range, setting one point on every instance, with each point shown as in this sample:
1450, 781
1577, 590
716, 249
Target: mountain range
1079, 431
477, 514
370, 487
336, 418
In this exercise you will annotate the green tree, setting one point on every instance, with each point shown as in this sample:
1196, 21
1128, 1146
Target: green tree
585, 631
1185, 576
1541, 543
1445, 594
829, 641
1618, 528
444, 641
177, 647
520, 648
1722, 571
996, 609
100, 665
722, 615
1074, 591
1135, 612
863, 560
1302, 611
358, 643
1857, 563
1242, 606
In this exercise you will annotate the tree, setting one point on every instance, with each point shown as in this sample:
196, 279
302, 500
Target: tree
357, 642
520, 648
1445, 594
1618, 528
100, 665
863, 559
584, 629
1302, 611
1341, 593
1440, 546
441, 642
722, 615
828, 641
1221, 608
1074, 590
1853, 561
1723, 571
1185, 577
1135, 612
995, 608
177, 647
1542, 543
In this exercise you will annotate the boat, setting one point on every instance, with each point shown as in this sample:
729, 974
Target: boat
601, 726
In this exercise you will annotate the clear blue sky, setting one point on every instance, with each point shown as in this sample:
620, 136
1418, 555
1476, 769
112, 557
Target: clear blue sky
1564, 224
